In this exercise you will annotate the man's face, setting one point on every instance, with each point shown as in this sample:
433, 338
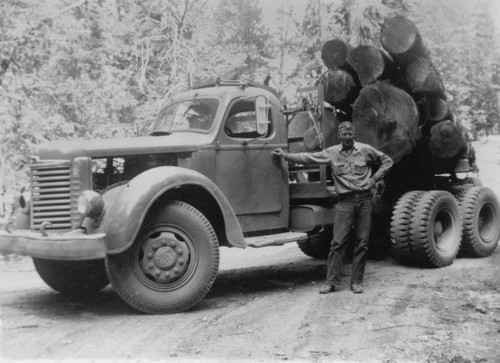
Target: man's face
346, 137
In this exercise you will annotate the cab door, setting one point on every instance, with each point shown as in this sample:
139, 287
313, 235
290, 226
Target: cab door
251, 177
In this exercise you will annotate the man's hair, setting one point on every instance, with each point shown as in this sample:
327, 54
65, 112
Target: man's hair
346, 125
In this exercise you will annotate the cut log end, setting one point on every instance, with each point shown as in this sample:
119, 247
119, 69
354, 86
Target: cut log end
334, 53
436, 109
422, 77
445, 140
339, 87
386, 117
368, 62
398, 35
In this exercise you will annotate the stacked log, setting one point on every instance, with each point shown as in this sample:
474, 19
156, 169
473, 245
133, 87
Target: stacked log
334, 53
370, 64
395, 97
386, 117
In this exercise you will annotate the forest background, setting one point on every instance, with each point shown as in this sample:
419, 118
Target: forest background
72, 69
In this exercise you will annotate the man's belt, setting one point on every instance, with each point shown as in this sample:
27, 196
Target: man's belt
357, 193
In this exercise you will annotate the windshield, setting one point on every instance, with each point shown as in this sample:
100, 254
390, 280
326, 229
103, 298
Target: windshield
189, 115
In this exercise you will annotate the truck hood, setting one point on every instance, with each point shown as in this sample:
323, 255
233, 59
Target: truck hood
178, 142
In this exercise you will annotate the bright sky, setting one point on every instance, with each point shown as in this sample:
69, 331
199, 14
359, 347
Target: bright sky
270, 7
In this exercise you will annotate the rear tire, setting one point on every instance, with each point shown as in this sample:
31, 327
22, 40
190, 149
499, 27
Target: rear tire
172, 263
481, 214
436, 229
75, 278
318, 245
401, 225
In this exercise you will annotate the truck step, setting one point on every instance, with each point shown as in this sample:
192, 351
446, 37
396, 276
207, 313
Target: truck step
275, 239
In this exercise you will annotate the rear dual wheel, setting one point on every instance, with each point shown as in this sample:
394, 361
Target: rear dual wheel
436, 229
401, 223
172, 263
426, 228
481, 221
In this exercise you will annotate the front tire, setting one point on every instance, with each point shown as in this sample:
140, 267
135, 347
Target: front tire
172, 263
74, 278
481, 213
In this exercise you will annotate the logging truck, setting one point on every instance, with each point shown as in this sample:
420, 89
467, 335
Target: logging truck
149, 214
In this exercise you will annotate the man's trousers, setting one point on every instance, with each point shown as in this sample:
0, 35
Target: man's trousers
352, 213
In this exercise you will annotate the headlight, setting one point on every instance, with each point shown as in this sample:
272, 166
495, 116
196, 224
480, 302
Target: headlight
25, 202
90, 204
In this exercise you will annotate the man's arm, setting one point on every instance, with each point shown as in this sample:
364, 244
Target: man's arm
383, 161
320, 157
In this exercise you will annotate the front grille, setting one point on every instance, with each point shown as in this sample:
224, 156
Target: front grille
51, 195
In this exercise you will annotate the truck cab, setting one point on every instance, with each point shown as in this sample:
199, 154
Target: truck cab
148, 214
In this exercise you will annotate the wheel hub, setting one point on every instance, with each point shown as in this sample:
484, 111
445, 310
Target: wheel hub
438, 229
165, 257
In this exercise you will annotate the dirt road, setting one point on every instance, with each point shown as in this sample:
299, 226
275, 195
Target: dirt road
265, 307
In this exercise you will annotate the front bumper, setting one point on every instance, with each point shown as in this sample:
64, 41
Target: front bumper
74, 245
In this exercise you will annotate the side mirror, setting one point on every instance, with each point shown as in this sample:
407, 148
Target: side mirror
261, 112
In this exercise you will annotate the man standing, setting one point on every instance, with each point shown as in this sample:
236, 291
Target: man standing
352, 166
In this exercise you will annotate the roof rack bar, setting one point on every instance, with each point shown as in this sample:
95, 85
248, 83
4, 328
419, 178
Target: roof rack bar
231, 82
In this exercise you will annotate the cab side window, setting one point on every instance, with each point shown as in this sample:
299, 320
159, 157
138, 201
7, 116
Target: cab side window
242, 121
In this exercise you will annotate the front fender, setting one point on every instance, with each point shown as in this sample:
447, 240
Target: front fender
125, 215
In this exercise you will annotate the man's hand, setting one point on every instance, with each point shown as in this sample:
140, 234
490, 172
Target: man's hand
377, 187
278, 152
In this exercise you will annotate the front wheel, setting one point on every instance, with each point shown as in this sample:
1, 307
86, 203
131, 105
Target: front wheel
172, 263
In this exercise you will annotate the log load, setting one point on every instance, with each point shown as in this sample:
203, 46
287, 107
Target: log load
401, 38
386, 117
445, 139
436, 109
370, 64
403, 112
422, 78
339, 87
334, 53
399, 105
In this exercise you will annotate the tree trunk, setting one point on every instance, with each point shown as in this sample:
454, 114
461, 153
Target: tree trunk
339, 87
422, 77
445, 140
334, 53
402, 40
370, 64
386, 117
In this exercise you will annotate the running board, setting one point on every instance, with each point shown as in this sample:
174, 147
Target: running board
275, 239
